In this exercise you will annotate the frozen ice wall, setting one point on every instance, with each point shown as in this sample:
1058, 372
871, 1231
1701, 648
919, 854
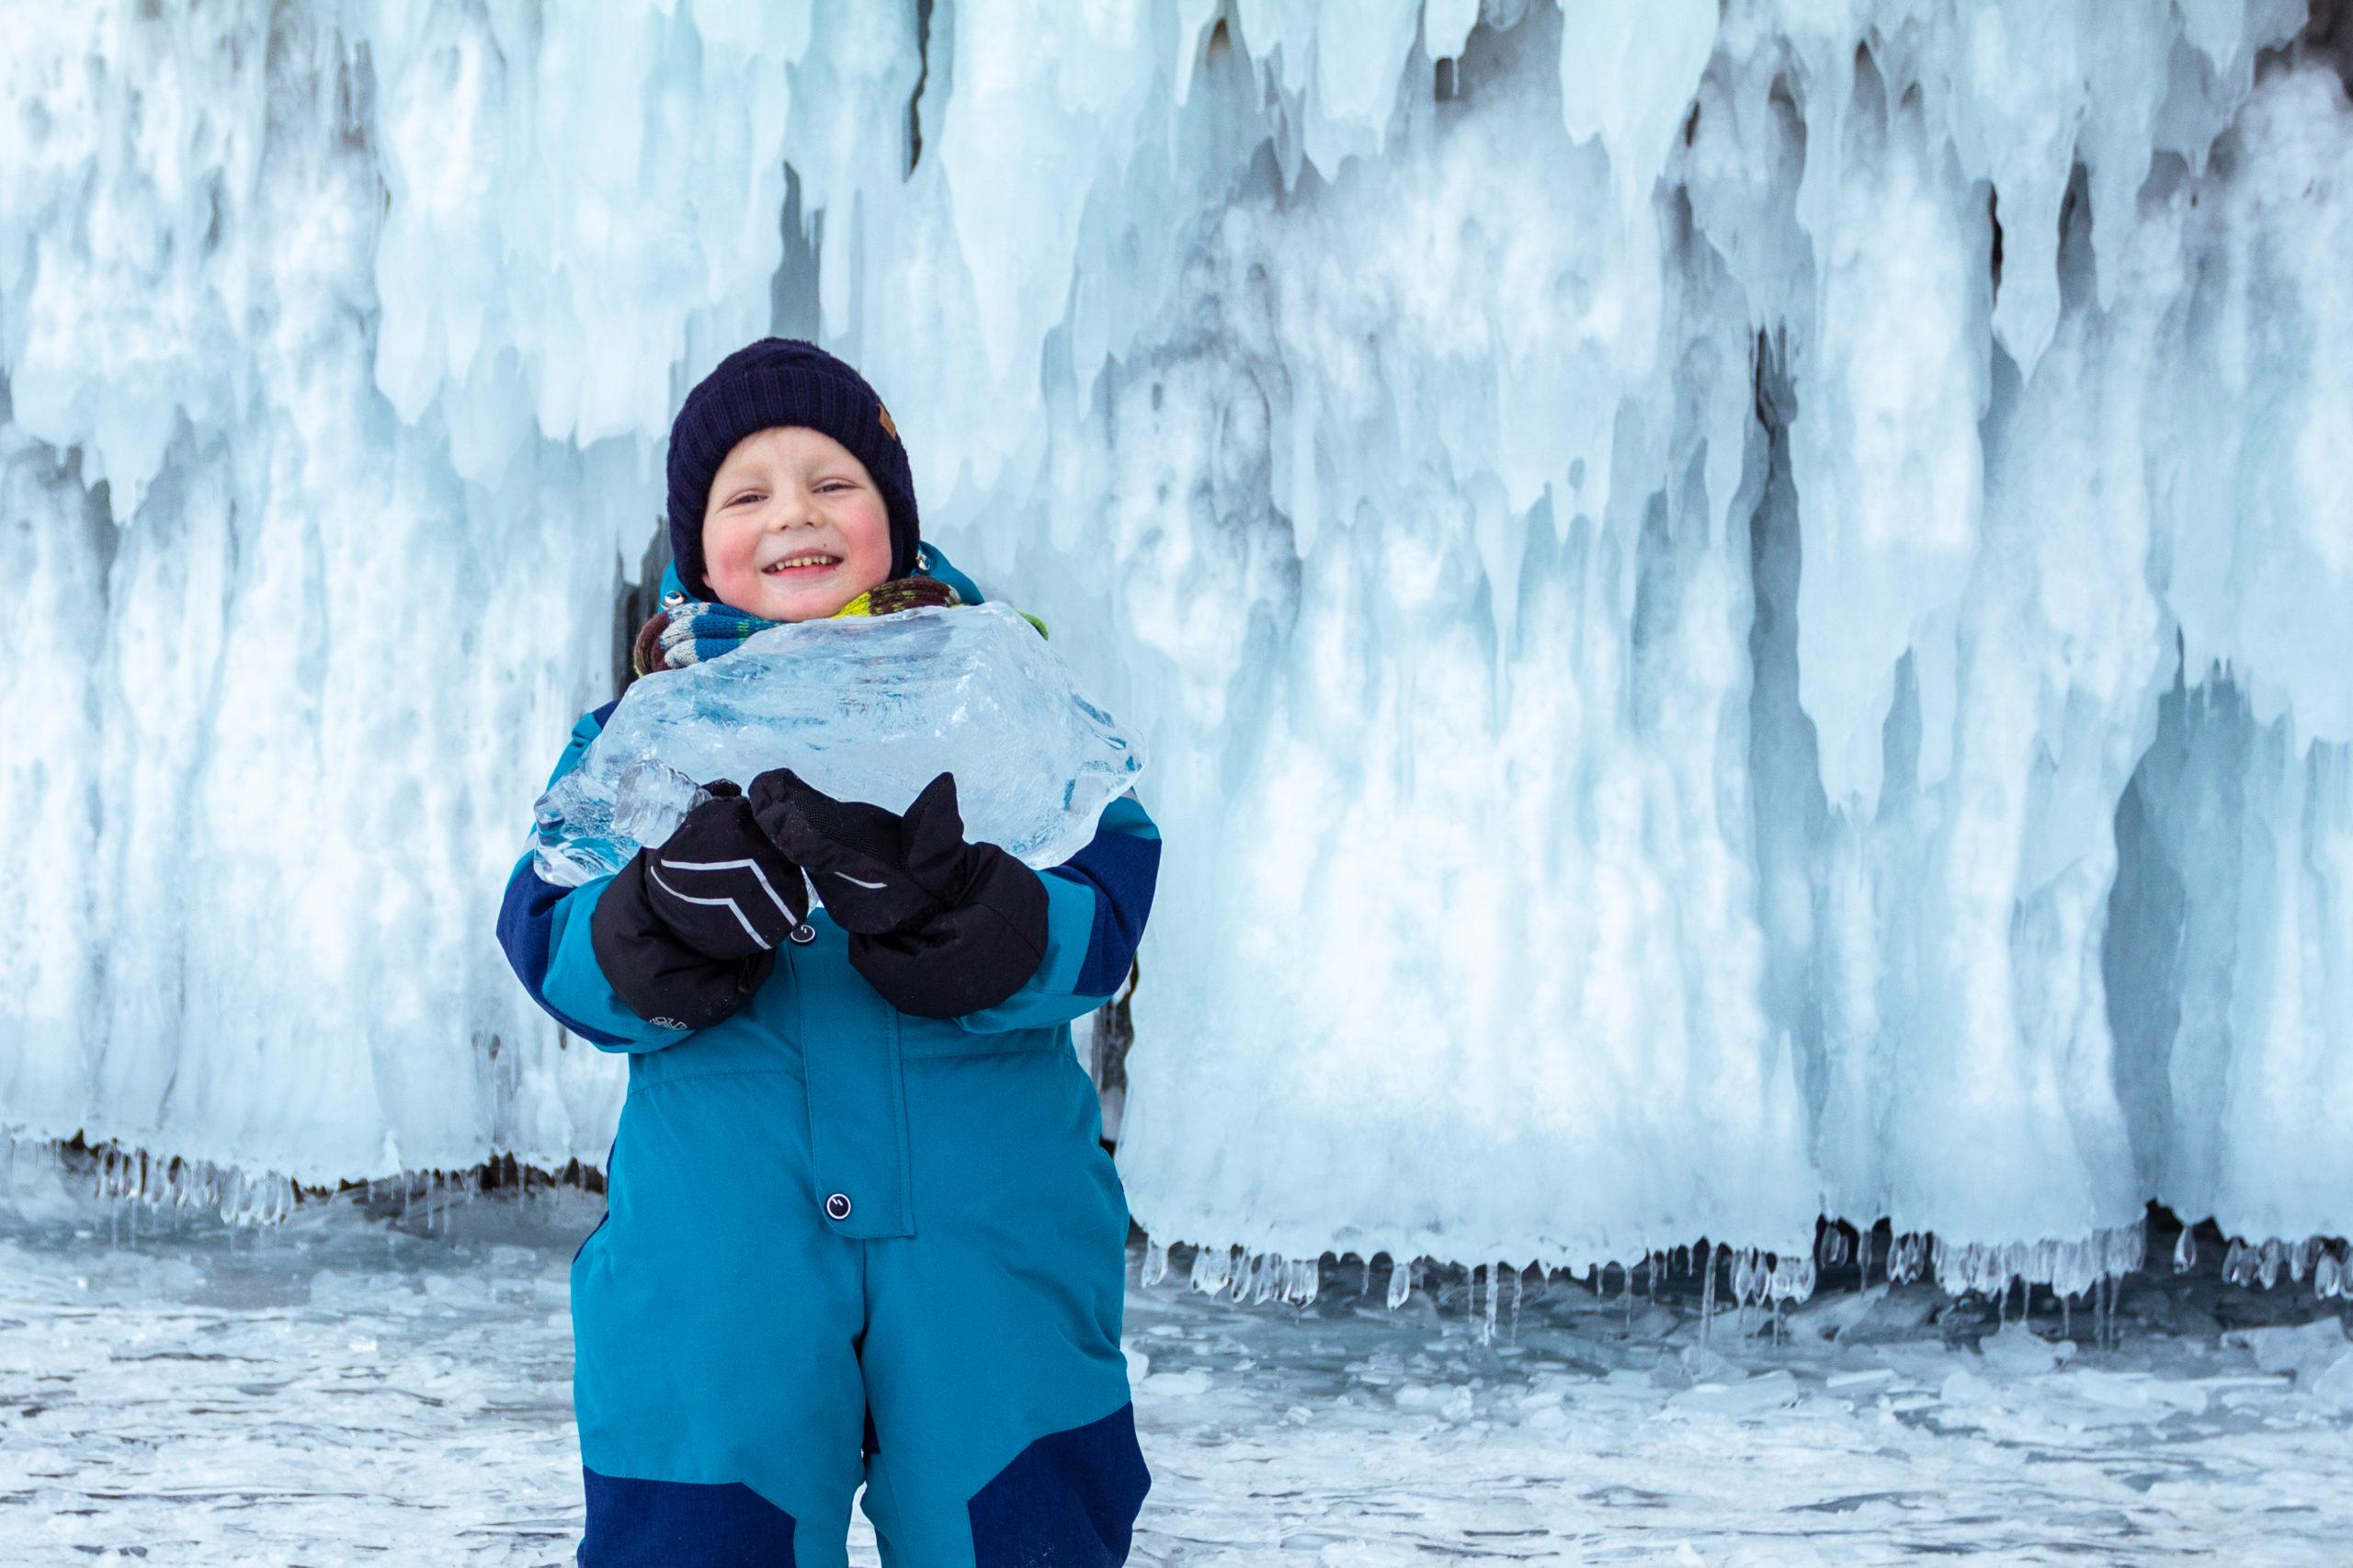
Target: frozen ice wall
1740, 608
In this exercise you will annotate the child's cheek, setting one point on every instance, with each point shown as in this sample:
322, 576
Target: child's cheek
727, 550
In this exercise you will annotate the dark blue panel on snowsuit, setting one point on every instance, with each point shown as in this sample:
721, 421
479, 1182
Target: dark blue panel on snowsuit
1070, 1499
682, 1525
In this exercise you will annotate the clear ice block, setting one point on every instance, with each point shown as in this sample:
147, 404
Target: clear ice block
866, 709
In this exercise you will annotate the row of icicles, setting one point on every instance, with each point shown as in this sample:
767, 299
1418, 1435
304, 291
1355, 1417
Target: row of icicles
2092, 1267
134, 1180
138, 1179
1756, 1277
2325, 1261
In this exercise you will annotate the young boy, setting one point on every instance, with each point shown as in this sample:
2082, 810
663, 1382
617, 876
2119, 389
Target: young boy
859, 1222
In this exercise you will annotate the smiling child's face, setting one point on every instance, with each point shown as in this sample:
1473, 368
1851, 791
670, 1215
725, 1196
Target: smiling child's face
794, 527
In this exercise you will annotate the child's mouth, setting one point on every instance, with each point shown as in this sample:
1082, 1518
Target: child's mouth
808, 564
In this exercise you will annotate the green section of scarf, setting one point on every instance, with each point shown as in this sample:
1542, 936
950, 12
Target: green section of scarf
694, 631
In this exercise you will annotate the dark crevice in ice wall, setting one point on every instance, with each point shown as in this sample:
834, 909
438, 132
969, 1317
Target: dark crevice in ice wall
1787, 810
792, 293
2141, 952
922, 76
635, 603
2328, 36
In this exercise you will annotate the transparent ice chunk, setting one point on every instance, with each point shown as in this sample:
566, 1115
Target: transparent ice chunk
866, 709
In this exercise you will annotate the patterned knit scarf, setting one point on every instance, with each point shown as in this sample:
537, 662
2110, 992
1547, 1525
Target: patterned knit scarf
694, 631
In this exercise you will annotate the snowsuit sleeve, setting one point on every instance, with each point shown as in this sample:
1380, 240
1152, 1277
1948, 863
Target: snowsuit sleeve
1095, 905
544, 928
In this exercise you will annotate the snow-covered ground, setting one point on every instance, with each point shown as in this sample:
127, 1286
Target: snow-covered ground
365, 1386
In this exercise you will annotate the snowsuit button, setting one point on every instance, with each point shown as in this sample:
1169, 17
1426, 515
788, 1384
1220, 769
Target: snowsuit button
837, 1205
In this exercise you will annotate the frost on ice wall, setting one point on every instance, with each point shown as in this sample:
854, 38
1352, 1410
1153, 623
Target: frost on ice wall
1741, 610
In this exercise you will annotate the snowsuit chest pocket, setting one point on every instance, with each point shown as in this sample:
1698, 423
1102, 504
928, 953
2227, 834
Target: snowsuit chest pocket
932, 1039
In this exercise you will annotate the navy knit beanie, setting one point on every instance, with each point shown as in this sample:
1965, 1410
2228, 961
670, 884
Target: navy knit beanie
781, 380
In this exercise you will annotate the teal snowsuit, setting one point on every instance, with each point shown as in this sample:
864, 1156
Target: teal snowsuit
846, 1244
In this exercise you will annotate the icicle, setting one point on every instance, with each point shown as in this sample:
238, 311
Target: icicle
1401, 1281
1249, 1279
1753, 1279
1156, 1262
1801, 1278
1706, 1291
2184, 1252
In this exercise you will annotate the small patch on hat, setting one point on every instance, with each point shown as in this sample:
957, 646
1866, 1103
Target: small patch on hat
887, 423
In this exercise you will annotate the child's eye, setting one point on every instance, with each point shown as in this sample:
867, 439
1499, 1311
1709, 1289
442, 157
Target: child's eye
748, 496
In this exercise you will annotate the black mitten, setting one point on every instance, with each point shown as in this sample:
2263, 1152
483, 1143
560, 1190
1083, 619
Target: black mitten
876, 870
720, 883
939, 926
970, 956
686, 932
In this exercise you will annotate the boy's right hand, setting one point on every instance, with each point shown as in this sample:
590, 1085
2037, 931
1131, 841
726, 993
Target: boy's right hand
720, 883
686, 932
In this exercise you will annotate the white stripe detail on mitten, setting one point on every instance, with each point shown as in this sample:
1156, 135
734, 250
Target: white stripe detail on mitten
728, 904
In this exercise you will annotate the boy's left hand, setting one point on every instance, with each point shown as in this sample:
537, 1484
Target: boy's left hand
876, 870
938, 925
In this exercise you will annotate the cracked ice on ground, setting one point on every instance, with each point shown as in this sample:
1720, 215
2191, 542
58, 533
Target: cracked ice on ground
361, 1386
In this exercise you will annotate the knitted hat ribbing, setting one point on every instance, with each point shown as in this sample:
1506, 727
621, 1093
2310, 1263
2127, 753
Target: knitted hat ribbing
782, 380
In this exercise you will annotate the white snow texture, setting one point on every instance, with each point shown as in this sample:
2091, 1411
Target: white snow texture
1740, 611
